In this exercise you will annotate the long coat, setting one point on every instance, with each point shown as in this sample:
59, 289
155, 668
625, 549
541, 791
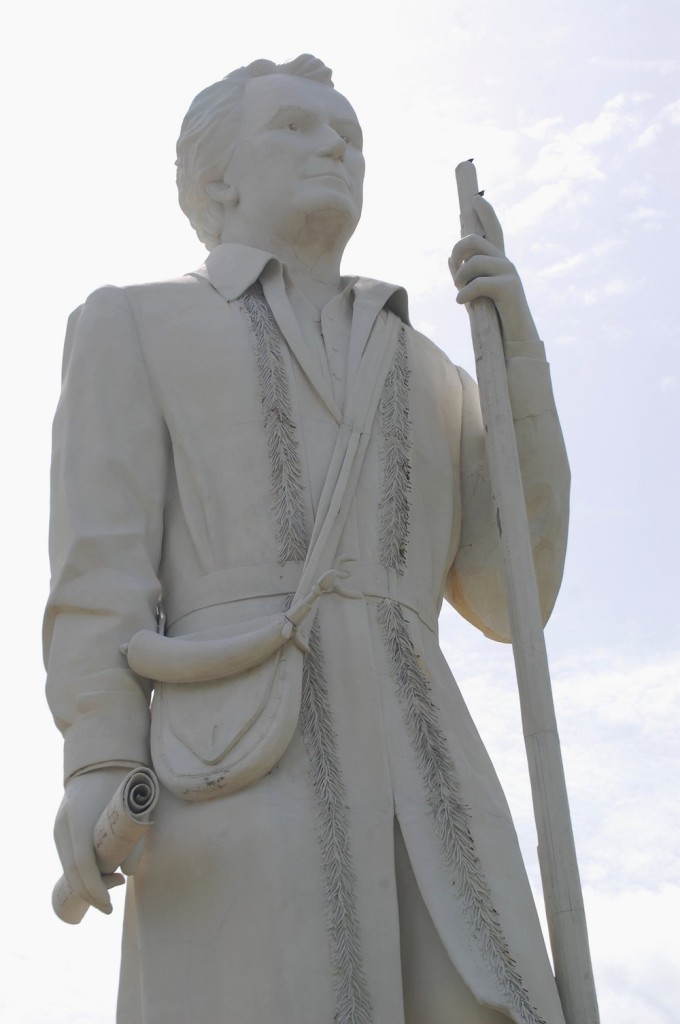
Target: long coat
278, 902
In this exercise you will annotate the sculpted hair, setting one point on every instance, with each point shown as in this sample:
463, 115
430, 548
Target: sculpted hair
209, 133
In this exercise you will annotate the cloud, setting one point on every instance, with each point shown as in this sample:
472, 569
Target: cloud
573, 266
609, 290
536, 205
617, 717
566, 158
634, 190
668, 115
671, 112
572, 162
606, 246
634, 944
564, 266
574, 155
541, 129
648, 136
647, 216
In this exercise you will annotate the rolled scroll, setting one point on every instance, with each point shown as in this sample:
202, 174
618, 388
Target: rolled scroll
122, 825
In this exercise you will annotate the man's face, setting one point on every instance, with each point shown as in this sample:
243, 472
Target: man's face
298, 160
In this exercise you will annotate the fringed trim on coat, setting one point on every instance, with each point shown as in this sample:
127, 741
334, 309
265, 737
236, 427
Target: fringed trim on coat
316, 722
284, 457
393, 507
351, 995
451, 816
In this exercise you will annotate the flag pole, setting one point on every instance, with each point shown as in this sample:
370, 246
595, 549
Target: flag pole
556, 850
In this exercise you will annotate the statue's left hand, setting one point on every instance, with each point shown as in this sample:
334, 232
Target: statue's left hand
85, 798
480, 269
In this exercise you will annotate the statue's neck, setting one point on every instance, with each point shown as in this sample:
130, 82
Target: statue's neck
309, 270
310, 249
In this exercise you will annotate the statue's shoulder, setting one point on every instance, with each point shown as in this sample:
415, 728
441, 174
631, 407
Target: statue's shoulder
114, 312
422, 349
149, 295
149, 307
430, 354
168, 296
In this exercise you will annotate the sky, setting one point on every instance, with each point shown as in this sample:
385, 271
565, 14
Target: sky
572, 113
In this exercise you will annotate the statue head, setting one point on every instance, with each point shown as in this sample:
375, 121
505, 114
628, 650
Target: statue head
211, 131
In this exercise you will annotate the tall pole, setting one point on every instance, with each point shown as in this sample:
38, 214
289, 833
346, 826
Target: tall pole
556, 849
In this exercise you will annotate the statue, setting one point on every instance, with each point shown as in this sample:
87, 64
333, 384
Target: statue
265, 481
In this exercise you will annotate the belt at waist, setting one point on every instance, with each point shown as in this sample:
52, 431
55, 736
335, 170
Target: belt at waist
270, 579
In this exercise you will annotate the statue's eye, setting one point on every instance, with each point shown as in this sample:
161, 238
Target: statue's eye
292, 127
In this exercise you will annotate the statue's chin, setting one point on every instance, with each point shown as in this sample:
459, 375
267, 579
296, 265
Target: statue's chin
324, 225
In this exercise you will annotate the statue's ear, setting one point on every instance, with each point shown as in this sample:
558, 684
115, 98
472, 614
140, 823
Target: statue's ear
222, 192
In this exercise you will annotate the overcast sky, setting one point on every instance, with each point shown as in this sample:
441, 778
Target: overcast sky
572, 113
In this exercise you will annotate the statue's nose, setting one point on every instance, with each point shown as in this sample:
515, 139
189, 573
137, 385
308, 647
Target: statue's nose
335, 146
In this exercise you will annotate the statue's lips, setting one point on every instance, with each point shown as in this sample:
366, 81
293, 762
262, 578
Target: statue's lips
332, 175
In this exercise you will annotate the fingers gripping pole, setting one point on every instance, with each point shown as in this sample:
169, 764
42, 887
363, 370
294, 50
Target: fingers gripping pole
556, 850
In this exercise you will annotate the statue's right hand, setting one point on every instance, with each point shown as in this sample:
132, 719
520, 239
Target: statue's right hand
85, 798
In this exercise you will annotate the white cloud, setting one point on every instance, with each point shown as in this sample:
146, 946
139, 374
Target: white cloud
536, 205
610, 290
671, 112
634, 190
571, 160
541, 129
566, 157
573, 155
614, 118
617, 718
606, 246
646, 214
563, 267
619, 724
648, 136
634, 943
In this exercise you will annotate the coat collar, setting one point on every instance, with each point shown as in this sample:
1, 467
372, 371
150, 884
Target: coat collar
232, 268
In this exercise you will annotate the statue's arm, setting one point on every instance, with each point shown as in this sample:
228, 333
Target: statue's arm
110, 456
475, 585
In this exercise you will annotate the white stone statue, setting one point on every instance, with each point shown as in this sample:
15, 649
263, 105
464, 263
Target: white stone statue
265, 481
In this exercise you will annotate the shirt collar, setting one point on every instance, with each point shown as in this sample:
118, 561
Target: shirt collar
231, 268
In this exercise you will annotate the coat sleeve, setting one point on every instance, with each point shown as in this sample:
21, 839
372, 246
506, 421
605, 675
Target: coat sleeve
110, 456
475, 585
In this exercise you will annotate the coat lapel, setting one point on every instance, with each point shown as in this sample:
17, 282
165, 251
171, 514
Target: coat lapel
275, 293
230, 269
